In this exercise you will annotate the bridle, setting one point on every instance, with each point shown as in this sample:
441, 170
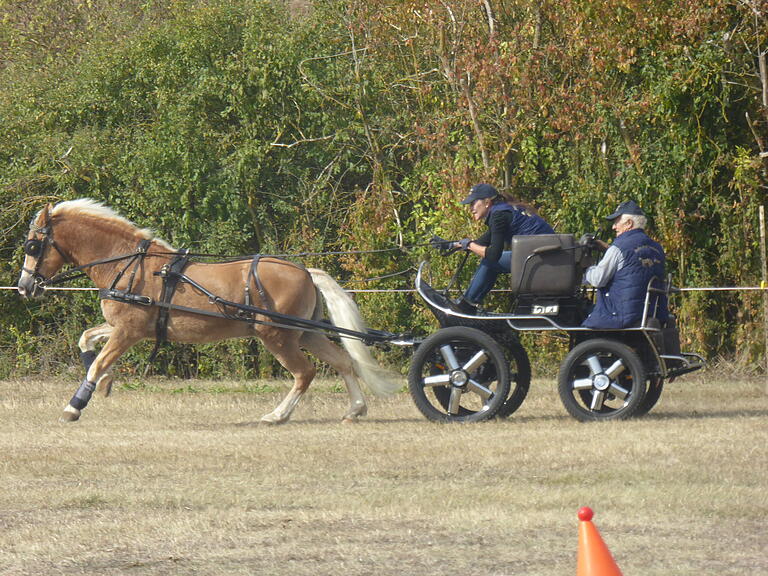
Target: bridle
37, 247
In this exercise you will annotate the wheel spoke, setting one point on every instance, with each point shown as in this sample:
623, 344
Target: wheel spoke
598, 398
479, 389
594, 365
437, 380
455, 401
449, 357
475, 362
618, 391
615, 369
582, 384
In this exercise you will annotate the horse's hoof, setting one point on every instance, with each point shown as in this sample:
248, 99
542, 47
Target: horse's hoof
354, 414
104, 387
70, 414
272, 420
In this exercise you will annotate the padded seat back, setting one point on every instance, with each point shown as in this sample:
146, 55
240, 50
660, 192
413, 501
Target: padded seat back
545, 265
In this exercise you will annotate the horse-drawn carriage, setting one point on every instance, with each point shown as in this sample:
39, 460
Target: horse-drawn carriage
472, 369
475, 367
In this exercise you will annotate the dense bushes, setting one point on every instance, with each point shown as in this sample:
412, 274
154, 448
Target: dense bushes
241, 127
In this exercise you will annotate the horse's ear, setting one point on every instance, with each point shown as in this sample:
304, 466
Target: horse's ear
45, 214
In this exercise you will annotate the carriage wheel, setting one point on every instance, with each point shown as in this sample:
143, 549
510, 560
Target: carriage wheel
519, 378
601, 380
459, 375
652, 394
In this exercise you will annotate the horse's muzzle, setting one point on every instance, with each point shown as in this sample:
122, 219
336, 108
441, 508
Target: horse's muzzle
29, 286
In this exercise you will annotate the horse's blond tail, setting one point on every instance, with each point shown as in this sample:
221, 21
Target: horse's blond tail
345, 314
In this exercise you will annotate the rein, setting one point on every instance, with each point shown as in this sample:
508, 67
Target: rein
230, 258
79, 271
141, 252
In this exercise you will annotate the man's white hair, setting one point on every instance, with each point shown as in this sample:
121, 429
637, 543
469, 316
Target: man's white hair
638, 220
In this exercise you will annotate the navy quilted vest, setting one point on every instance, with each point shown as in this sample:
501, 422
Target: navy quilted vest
522, 223
620, 303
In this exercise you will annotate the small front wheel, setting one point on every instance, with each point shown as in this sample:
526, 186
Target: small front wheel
459, 374
601, 379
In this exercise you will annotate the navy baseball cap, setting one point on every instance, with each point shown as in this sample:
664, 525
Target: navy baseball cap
628, 207
479, 192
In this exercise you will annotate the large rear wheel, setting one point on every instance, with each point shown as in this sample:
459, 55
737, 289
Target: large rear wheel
602, 379
459, 374
652, 395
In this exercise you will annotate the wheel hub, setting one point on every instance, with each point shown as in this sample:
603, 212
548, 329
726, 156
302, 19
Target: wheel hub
459, 378
601, 382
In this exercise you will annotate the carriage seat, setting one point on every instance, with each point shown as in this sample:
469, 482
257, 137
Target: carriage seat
545, 265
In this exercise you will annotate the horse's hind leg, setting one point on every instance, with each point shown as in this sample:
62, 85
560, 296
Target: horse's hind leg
117, 344
293, 359
87, 344
326, 351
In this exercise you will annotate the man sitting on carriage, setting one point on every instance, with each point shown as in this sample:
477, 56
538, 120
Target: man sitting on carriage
623, 274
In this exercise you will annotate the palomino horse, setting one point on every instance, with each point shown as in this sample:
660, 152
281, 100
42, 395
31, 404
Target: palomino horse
118, 256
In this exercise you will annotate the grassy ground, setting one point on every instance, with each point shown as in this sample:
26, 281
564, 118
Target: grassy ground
178, 478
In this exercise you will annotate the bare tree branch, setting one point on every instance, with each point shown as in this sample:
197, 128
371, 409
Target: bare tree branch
490, 16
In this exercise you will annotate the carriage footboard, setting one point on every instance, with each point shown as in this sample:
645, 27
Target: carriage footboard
683, 363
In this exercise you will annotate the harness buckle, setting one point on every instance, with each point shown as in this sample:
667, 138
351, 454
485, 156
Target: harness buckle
143, 246
128, 297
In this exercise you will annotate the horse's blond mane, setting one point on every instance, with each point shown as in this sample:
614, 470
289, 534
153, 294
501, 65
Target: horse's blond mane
89, 207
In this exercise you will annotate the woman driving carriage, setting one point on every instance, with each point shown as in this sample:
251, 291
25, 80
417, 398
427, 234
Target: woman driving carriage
504, 220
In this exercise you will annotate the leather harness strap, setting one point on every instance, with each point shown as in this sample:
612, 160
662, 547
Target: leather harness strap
171, 273
137, 258
254, 273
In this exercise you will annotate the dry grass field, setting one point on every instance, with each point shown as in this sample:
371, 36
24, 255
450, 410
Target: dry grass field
177, 477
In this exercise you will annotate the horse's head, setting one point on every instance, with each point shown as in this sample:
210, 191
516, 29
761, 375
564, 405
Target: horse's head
42, 256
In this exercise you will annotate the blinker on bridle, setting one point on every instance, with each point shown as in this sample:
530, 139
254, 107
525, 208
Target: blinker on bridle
35, 248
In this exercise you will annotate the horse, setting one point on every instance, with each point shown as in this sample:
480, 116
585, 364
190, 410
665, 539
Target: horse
130, 266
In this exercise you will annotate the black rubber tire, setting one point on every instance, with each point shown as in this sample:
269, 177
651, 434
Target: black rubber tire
519, 379
652, 395
589, 393
472, 390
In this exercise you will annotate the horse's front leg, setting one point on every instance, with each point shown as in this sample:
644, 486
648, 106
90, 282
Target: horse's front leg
117, 344
87, 344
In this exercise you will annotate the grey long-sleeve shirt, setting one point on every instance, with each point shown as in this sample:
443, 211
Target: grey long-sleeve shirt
601, 273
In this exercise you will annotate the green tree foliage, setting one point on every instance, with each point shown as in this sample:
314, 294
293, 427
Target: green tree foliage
282, 127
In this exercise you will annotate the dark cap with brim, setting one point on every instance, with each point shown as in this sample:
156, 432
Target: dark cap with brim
479, 192
628, 207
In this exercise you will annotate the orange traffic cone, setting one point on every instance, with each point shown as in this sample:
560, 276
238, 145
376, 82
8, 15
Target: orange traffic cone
594, 558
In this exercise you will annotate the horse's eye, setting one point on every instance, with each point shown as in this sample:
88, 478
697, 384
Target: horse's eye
33, 247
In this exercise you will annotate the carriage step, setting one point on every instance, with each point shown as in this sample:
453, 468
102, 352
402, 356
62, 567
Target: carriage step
686, 362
